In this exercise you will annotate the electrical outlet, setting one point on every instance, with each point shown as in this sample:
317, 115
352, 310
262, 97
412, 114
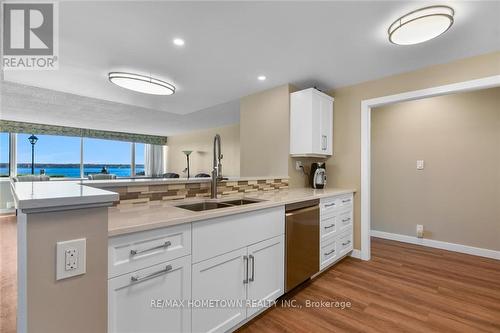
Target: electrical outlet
70, 258
298, 165
420, 165
420, 231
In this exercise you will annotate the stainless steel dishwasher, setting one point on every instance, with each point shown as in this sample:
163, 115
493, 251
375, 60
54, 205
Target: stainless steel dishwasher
302, 242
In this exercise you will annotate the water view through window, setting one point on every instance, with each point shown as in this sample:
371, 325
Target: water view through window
56, 156
139, 159
100, 155
59, 156
4, 154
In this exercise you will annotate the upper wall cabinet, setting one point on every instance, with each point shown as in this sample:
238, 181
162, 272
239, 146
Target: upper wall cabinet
311, 123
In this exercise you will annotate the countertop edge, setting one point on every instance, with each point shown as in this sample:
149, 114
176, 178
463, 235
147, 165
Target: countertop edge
60, 201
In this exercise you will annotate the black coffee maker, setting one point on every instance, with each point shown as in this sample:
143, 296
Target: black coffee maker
317, 175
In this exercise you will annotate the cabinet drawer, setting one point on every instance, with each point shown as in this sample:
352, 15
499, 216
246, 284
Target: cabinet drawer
130, 296
224, 234
345, 201
344, 221
143, 249
328, 206
328, 226
328, 252
344, 243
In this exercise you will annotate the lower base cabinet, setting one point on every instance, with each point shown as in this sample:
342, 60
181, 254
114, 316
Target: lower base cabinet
238, 283
137, 300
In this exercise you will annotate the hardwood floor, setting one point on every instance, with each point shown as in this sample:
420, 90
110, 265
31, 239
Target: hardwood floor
404, 288
8, 274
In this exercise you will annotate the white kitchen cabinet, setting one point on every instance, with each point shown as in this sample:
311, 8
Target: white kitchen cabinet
266, 272
311, 123
220, 279
131, 296
336, 223
251, 275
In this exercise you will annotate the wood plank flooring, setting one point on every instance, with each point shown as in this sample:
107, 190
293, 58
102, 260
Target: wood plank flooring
404, 288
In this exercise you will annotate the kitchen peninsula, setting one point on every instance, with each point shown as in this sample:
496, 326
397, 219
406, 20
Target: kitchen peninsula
156, 249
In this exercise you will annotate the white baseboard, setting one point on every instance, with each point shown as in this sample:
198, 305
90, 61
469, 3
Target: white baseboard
356, 254
475, 251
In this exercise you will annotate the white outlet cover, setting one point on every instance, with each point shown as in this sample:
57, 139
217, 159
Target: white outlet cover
80, 245
420, 164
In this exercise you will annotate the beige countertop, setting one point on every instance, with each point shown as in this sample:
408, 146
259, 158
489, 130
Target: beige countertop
130, 218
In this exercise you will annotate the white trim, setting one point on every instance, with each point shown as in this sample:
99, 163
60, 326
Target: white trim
356, 254
366, 106
475, 251
22, 273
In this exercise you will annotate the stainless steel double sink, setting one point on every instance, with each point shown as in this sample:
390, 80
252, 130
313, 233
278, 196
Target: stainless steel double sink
208, 205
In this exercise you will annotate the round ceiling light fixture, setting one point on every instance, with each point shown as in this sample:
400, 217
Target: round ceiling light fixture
141, 83
178, 41
421, 25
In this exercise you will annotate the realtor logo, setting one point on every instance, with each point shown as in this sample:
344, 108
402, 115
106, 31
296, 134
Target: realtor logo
30, 36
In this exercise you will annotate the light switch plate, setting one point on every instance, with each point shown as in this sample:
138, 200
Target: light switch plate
70, 258
420, 164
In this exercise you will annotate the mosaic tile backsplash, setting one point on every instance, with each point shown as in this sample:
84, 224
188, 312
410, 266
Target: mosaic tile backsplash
139, 193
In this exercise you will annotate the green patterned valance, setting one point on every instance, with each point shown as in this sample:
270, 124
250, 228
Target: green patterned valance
31, 128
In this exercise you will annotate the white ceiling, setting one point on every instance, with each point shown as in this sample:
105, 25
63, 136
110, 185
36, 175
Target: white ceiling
228, 44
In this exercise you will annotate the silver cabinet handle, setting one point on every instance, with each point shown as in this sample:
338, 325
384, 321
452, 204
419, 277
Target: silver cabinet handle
346, 243
137, 278
253, 268
328, 253
330, 204
330, 226
347, 219
245, 260
324, 142
164, 245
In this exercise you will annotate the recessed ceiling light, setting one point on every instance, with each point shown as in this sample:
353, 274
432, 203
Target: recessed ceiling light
421, 25
141, 83
261, 78
178, 41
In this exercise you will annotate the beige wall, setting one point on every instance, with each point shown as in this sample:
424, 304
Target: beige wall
264, 133
201, 143
265, 136
456, 197
48, 300
344, 170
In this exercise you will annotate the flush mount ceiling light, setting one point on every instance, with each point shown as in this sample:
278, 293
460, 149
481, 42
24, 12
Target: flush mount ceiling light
421, 25
178, 41
261, 77
141, 83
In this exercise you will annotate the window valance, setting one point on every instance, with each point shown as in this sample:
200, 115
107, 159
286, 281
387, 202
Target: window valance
32, 128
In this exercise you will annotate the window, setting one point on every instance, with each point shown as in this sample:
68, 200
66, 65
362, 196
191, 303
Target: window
4, 155
139, 159
112, 156
56, 156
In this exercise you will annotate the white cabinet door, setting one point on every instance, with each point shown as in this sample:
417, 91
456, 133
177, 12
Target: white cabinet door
131, 296
265, 272
311, 123
223, 279
326, 124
